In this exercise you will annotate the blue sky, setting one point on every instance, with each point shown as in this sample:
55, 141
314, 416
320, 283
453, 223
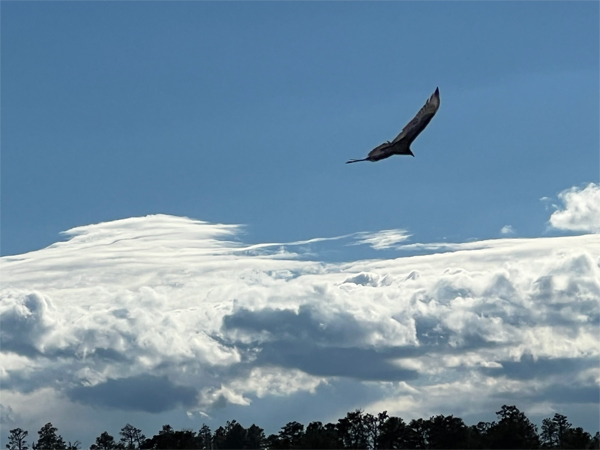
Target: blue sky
194, 153
246, 112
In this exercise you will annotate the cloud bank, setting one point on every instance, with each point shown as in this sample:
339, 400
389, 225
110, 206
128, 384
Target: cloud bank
159, 313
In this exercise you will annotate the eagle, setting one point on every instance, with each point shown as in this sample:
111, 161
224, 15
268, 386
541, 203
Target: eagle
401, 144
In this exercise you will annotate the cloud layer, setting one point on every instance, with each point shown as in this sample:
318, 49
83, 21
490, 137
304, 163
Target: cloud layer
162, 313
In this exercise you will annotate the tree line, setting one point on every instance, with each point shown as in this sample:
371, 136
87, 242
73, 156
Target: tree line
358, 430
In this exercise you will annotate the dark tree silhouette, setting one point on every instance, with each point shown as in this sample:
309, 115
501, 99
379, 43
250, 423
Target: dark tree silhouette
131, 437
353, 430
417, 434
219, 436
373, 425
357, 430
513, 431
393, 434
49, 440
230, 437
106, 442
290, 436
478, 435
16, 440
446, 432
235, 436
553, 431
596, 440
164, 439
204, 438
321, 436
185, 439
577, 438
167, 438
255, 437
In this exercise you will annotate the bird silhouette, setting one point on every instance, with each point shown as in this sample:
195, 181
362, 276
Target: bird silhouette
401, 144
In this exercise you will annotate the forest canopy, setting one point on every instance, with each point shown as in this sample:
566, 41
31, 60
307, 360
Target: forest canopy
357, 430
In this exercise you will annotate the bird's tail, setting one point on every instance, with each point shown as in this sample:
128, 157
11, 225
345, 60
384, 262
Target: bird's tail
356, 160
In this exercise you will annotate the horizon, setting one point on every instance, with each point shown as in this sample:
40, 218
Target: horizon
131, 433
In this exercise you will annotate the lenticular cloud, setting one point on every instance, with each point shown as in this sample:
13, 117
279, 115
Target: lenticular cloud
161, 313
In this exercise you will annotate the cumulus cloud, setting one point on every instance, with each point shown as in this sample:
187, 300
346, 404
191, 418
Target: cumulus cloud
160, 313
24, 320
507, 230
580, 209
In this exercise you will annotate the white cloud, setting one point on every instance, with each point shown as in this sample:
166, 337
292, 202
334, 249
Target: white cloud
507, 230
580, 210
460, 246
383, 239
182, 307
270, 380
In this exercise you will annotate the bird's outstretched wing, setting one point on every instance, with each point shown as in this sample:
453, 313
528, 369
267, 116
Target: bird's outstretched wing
421, 120
380, 152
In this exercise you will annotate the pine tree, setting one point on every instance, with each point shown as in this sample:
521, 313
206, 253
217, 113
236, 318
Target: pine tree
49, 440
16, 440
513, 431
131, 437
106, 442
204, 438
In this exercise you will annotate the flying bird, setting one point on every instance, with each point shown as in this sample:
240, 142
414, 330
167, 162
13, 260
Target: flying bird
401, 145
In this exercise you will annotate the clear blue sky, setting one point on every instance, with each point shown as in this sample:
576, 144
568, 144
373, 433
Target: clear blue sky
246, 112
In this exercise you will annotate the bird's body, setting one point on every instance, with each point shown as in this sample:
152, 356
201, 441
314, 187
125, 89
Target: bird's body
401, 144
